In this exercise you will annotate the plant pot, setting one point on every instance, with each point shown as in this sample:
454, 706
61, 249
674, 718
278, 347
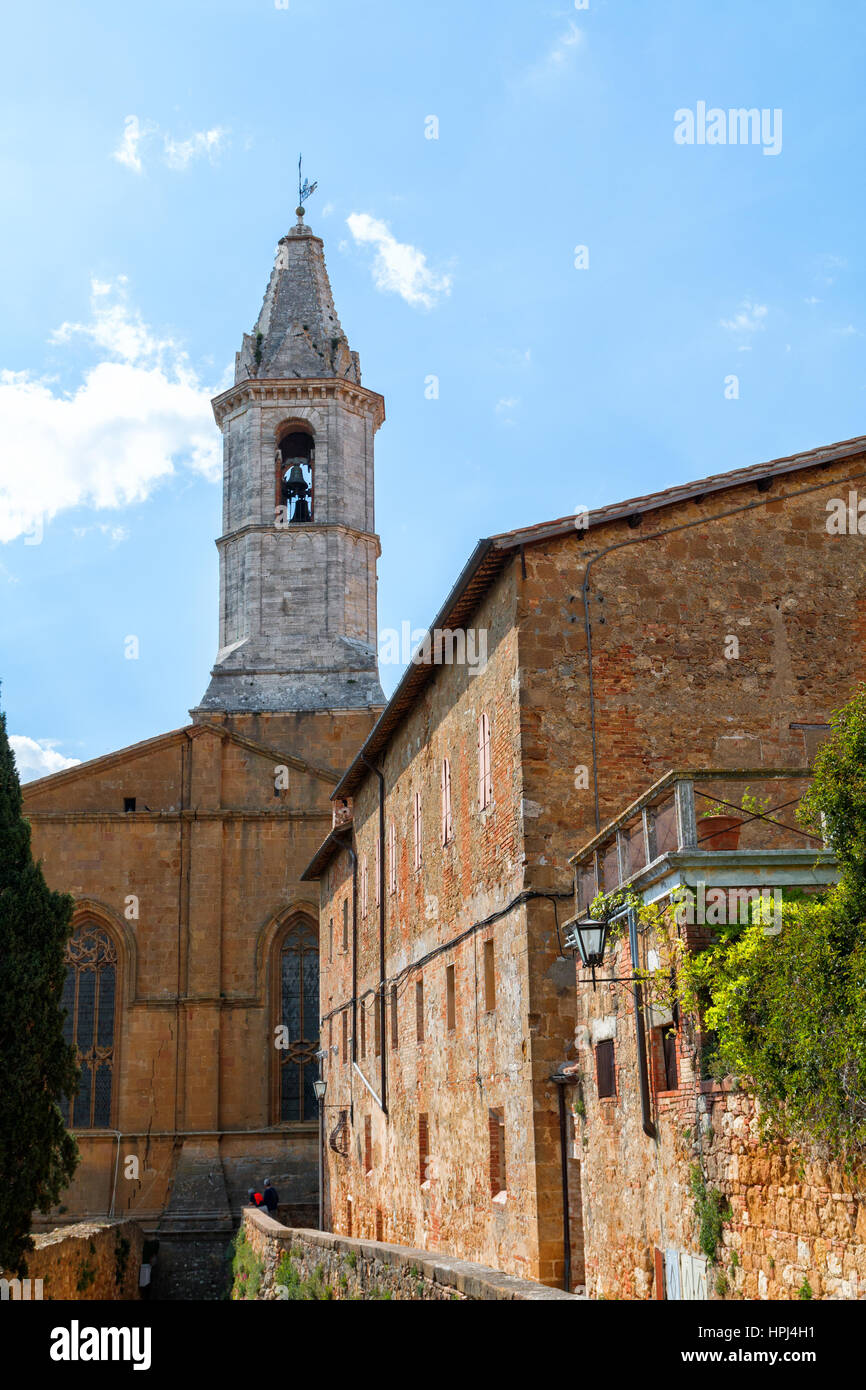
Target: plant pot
719, 832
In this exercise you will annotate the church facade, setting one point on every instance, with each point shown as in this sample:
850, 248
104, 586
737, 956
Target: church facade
192, 986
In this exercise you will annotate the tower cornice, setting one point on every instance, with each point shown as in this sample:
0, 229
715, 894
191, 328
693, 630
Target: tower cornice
304, 391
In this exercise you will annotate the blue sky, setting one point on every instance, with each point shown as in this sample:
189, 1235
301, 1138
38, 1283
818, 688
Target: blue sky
148, 160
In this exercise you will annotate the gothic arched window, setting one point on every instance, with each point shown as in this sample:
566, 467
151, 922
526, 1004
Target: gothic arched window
295, 457
90, 999
299, 1013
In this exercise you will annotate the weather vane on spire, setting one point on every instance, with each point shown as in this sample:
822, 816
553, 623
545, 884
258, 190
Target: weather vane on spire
305, 189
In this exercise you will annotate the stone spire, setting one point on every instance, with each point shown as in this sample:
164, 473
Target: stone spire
298, 625
297, 333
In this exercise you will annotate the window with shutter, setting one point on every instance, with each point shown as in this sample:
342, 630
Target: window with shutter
392, 857
485, 780
446, 801
605, 1069
416, 827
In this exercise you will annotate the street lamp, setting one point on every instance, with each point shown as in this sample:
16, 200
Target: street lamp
589, 935
320, 1086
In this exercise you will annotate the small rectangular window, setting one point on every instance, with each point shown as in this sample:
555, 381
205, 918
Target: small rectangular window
348, 1216
368, 1144
416, 828
377, 1026
363, 1030
496, 1123
380, 1225
423, 1149
446, 801
345, 924
364, 886
395, 1026
485, 779
378, 870
419, 1011
392, 857
345, 1017
489, 977
664, 1054
605, 1069
450, 1001
129, 803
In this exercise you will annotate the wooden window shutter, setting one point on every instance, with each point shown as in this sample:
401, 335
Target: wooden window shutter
605, 1068
446, 801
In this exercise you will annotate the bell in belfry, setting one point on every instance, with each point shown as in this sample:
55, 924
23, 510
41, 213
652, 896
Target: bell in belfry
297, 490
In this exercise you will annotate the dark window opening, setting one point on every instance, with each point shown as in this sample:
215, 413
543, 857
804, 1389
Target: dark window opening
496, 1124
605, 1069
664, 1057
89, 997
299, 1012
129, 803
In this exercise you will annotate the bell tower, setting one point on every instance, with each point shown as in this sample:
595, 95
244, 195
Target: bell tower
299, 546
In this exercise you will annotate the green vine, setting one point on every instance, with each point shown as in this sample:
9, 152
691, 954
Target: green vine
712, 1210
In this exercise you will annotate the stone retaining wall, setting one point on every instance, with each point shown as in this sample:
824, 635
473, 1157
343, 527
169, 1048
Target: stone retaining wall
367, 1269
91, 1260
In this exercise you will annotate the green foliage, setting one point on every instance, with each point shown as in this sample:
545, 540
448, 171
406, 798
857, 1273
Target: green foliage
37, 1154
352, 1259
837, 798
805, 1290
247, 1269
711, 1210
785, 1009
86, 1276
721, 1284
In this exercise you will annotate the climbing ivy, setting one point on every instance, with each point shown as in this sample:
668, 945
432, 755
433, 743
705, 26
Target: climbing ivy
787, 1007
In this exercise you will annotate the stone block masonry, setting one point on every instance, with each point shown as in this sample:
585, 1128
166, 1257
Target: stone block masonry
368, 1270
91, 1260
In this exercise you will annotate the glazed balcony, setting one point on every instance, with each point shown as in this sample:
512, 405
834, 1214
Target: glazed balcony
690, 828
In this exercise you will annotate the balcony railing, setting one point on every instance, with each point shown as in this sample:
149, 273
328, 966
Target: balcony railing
672, 817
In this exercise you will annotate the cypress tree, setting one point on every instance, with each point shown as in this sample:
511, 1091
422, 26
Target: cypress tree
38, 1156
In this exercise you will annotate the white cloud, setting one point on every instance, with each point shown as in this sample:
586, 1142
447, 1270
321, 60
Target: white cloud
127, 151
139, 411
179, 154
176, 154
397, 266
37, 757
748, 319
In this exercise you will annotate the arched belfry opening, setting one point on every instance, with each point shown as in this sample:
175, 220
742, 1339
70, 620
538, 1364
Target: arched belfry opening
295, 465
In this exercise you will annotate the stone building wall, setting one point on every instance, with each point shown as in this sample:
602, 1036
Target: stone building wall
90, 1260
791, 1219
455, 1075
667, 591
214, 859
368, 1270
